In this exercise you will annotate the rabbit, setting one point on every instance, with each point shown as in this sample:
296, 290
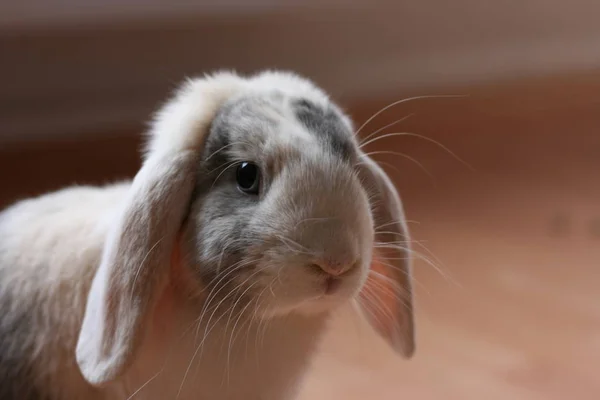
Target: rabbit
212, 274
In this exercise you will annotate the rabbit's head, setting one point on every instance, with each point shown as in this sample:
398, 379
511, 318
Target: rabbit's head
260, 185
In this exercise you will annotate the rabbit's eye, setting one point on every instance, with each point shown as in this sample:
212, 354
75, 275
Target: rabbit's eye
248, 177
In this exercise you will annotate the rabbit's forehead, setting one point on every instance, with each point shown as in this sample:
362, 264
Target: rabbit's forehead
271, 122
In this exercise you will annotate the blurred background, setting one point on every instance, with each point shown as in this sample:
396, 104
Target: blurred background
508, 282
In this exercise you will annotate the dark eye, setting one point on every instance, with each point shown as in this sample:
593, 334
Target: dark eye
248, 177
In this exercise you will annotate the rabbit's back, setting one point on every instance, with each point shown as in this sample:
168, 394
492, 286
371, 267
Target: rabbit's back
49, 249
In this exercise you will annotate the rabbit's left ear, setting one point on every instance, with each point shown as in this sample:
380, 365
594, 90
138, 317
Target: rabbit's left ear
136, 257
387, 298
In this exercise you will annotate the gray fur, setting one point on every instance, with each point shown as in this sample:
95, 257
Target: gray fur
17, 374
327, 124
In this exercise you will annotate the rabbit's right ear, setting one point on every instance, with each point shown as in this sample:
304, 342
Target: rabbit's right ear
136, 257
387, 297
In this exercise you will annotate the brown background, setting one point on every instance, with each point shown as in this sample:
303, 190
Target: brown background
510, 308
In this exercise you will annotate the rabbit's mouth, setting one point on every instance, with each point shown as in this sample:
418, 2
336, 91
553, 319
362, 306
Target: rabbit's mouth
300, 290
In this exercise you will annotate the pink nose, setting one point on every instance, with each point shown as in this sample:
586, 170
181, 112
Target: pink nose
333, 267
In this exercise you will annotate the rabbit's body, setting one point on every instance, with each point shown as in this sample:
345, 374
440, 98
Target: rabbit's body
43, 302
214, 272
49, 252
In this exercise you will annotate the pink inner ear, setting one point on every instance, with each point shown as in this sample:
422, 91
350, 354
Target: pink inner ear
378, 296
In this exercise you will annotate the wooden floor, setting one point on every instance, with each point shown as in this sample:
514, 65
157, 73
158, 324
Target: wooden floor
515, 311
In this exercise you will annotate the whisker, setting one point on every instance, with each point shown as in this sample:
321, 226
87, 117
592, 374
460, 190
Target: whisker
145, 384
223, 148
361, 308
404, 247
231, 342
207, 331
377, 275
261, 321
365, 307
221, 166
414, 160
266, 320
399, 245
411, 134
313, 219
396, 234
354, 303
395, 223
400, 300
390, 165
371, 299
248, 319
419, 256
140, 267
399, 293
233, 163
235, 267
403, 101
287, 241
431, 254
216, 308
252, 320
225, 247
387, 126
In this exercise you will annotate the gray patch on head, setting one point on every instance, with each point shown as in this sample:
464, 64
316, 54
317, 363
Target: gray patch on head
327, 124
16, 370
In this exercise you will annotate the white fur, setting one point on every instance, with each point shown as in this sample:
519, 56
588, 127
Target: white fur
51, 249
182, 122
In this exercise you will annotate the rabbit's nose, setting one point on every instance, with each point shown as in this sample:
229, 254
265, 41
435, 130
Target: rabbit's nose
333, 267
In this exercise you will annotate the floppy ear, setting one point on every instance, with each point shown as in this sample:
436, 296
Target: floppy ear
134, 265
136, 257
387, 298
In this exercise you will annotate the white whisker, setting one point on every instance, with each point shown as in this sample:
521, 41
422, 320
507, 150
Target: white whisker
233, 308
414, 160
395, 103
144, 385
223, 148
417, 283
207, 330
232, 164
387, 126
411, 134
140, 267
